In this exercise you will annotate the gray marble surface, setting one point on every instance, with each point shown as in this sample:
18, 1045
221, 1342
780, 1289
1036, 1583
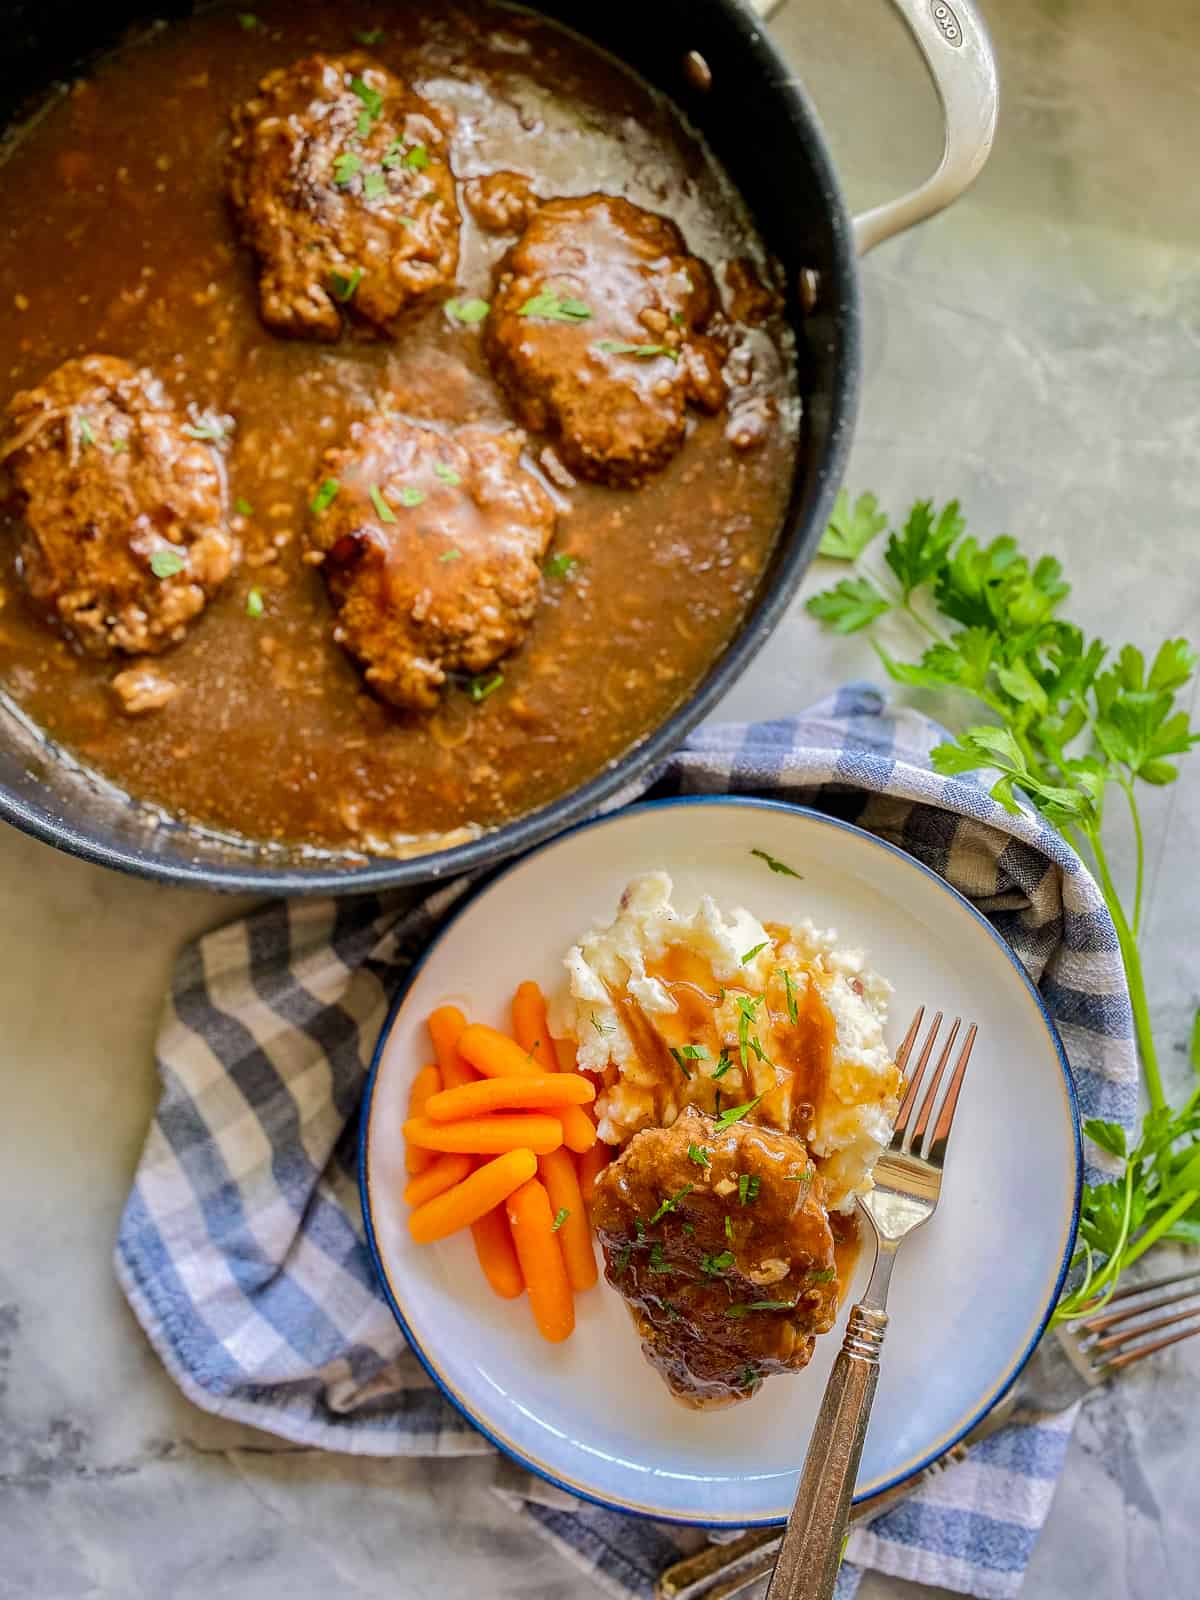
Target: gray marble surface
1035, 352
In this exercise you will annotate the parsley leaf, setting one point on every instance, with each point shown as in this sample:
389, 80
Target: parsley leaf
467, 311
417, 158
723, 1065
699, 1155
375, 185
87, 435
382, 509
760, 1305
446, 474
410, 496
370, 36
552, 307
345, 167
670, 1203
776, 865
748, 1187
209, 432
850, 531
757, 950
615, 347
254, 603
371, 98
560, 1216
324, 497
560, 565
736, 1113
916, 553
341, 287
480, 688
789, 989
243, 507
716, 1266
849, 605
165, 563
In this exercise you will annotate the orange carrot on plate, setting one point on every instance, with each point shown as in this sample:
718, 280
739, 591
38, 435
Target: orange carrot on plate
493, 1053
445, 1029
557, 1173
497, 1254
539, 1091
530, 1030
442, 1173
532, 1222
426, 1083
473, 1198
539, 1132
591, 1164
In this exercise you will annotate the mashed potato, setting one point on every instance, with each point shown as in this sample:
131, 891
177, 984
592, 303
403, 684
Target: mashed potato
778, 1024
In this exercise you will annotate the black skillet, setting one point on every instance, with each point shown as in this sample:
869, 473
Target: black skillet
714, 58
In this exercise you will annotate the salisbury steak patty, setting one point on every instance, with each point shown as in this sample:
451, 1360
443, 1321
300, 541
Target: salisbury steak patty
124, 514
431, 545
340, 177
596, 334
718, 1240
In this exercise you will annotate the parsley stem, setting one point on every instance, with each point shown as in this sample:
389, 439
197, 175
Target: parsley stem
1131, 956
1156, 1229
1139, 842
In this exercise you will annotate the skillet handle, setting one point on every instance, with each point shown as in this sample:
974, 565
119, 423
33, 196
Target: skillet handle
954, 42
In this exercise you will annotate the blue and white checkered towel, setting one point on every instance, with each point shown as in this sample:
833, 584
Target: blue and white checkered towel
241, 1248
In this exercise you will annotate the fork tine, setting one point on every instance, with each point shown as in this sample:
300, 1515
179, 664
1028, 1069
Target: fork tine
1148, 1287
914, 1083
910, 1038
1114, 1318
941, 1128
1118, 1363
1127, 1335
930, 1100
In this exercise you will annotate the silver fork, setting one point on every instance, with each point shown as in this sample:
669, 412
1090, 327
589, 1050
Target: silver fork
1072, 1361
908, 1181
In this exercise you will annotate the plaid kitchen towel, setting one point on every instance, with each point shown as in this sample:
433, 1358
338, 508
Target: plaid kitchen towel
241, 1247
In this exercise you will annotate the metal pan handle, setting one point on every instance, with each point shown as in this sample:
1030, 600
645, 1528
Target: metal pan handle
958, 53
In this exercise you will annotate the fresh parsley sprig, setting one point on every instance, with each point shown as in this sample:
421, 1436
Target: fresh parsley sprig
1069, 722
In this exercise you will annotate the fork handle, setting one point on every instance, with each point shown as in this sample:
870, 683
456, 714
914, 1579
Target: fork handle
811, 1552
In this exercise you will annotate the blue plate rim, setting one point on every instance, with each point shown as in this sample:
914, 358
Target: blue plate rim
750, 802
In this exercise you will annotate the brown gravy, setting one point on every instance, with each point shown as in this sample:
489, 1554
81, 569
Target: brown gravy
116, 238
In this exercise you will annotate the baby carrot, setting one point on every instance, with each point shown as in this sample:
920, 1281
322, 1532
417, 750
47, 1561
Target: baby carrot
473, 1198
557, 1172
445, 1028
442, 1173
531, 1221
536, 1092
530, 1030
533, 1036
426, 1083
539, 1132
497, 1257
493, 1053
591, 1164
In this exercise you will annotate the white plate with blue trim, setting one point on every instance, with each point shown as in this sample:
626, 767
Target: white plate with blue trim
972, 1290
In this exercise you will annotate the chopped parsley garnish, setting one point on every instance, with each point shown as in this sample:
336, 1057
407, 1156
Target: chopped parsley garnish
716, 1266
417, 158
556, 308
671, 1202
776, 865
736, 1113
86, 433
343, 287
622, 1262
254, 603
410, 496
560, 1216
371, 98
639, 1227
599, 1026
119, 446
370, 36
374, 185
407, 222
747, 1006
670, 1310
748, 1188
657, 1263
383, 510
760, 1305
729, 1227
751, 1377
446, 474
243, 507
210, 432
757, 950
248, 20
166, 563
617, 347
677, 318
467, 310
699, 1155
826, 1275
450, 555
688, 1052
480, 688
324, 497
723, 1065
790, 991
803, 1178
363, 126
689, 1230
344, 168
558, 566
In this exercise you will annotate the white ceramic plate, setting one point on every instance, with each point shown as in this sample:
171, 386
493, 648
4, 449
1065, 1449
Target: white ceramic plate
972, 1290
